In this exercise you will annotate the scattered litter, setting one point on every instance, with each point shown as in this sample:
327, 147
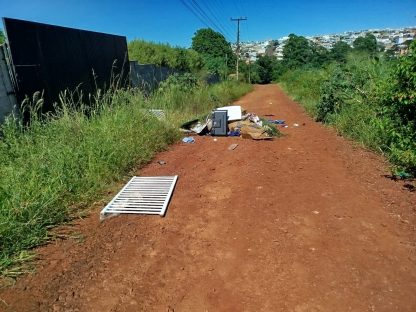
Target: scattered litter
188, 140
256, 119
142, 195
233, 112
232, 147
188, 124
234, 121
219, 122
277, 122
269, 115
234, 132
315, 212
195, 126
215, 140
285, 126
199, 127
161, 162
159, 113
295, 125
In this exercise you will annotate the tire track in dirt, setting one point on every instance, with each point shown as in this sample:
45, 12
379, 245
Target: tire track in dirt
302, 223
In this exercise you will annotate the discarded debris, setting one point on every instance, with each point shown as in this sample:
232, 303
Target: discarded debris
234, 121
295, 125
219, 122
161, 162
142, 195
233, 112
159, 113
234, 132
188, 140
277, 122
232, 147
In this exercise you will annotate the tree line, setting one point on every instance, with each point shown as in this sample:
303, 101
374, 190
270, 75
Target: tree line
209, 52
300, 52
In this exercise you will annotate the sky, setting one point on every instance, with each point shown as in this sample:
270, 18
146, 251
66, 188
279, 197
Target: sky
176, 21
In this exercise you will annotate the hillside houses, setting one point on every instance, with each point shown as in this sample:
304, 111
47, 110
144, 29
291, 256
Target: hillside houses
394, 39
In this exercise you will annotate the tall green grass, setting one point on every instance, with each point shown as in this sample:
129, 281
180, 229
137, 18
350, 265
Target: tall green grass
52, 169
356, 99
304, 86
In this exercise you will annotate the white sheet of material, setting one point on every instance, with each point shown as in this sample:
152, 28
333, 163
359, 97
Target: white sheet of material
233, 112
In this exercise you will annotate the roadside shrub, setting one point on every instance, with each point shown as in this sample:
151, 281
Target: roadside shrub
180, 82
304, 85
367, 98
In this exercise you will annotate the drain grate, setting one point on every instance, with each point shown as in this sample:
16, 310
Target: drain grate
142, 195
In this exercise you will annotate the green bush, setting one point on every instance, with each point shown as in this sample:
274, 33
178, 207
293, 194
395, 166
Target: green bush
367, 98
164, 55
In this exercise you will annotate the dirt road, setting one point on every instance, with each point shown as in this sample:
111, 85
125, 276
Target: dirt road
306, 222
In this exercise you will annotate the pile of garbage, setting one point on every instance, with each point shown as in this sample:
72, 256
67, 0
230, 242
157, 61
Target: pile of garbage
234, 121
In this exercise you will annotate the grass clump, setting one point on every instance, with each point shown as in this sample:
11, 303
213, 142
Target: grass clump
368, 98
56, 166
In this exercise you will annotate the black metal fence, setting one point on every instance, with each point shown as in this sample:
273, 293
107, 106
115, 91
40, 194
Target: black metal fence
51, 59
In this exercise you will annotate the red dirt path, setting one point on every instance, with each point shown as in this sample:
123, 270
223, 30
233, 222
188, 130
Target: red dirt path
306, 222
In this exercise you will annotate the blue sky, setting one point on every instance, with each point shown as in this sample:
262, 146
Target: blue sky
172, 22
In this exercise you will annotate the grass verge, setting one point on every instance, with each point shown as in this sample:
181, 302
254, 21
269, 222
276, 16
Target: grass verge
53, 169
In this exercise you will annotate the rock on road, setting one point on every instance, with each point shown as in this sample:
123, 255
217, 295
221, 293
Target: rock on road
306, 222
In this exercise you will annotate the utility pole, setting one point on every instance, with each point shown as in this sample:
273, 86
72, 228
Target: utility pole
238, 38
249, 71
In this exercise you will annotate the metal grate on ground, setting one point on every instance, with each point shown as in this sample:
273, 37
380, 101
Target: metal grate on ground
142, 195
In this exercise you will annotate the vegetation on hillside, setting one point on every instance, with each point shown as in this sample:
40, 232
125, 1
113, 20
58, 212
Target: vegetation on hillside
210, 53
2, 38
185, 60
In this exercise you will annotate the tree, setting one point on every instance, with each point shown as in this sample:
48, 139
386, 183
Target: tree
320, 55
405, 87
366, 44
339, 51
209, 42
2, 39
297, 51
215, 50
263, 69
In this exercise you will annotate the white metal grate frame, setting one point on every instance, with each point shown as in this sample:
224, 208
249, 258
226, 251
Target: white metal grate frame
142, 195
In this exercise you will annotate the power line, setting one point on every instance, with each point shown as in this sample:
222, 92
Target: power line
194, 13
202, 16
202, 11
221, 8
214, 14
